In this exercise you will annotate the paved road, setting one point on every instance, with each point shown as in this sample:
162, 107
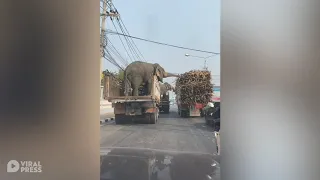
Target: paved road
170, 133
106, 113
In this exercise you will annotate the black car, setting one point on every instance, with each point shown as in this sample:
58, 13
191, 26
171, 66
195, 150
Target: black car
212, 116
149, 164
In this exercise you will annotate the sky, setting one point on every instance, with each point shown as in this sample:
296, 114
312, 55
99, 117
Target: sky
192, 24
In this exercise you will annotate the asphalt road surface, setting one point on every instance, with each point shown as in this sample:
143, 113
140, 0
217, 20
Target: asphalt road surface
170, 133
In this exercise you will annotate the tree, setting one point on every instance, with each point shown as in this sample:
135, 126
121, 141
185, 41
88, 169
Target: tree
102, 78
121, 75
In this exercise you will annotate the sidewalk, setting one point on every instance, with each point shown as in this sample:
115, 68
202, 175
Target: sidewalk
106, 110
105, 104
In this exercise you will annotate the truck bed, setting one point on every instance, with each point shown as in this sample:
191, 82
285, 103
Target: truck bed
155, 95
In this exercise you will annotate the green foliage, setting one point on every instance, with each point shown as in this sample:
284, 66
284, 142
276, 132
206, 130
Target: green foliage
120, 75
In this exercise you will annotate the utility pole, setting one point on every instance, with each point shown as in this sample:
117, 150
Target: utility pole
103, 38
103, 43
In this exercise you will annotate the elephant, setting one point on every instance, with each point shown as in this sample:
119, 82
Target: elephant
165, 87
138, 73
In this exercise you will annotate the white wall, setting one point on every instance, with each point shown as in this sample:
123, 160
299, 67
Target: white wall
101, 92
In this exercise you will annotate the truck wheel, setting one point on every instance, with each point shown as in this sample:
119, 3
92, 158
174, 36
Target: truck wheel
157, 117
183, 114
186, 114
153, 118
201, 113
119, 119
207, 122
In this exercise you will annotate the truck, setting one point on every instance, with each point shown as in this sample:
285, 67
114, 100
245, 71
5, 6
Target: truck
138, 108
165, 103
189, 109
193, 92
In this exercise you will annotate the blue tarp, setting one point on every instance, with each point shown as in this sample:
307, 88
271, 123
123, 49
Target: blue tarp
216, 89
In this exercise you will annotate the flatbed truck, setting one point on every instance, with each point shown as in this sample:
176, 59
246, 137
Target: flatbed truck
189, 110
165, 103
143, 109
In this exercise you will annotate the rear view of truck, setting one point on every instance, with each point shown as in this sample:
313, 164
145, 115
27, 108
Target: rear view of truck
193, 91
165, 103
142, 108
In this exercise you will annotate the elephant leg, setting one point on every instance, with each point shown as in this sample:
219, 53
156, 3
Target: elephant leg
136, 82
126, 88
149, 87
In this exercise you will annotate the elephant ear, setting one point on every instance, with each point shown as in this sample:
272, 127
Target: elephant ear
157, 71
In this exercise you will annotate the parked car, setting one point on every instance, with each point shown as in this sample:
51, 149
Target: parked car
212, 116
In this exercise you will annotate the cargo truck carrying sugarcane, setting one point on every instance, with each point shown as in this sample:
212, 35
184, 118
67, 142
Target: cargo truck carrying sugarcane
193, 92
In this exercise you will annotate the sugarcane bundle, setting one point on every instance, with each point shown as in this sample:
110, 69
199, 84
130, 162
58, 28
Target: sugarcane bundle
194, 87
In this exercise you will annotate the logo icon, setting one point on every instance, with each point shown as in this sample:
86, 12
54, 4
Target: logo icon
13, 166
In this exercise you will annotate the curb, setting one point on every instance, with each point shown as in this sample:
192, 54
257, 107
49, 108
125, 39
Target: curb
106, 120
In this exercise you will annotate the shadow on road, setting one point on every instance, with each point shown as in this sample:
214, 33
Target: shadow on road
203, 126
197, 122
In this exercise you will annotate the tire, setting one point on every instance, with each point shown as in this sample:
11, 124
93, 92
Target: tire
167, 110
207, 122
184, 114
119, 119
216, 126
201, 113
153, 118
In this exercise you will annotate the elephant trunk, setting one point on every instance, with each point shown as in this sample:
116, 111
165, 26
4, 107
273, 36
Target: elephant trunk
166, 74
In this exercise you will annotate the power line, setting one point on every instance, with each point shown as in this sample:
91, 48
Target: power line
105, 53
134, 53
160, 43
128, 41
122, 41
120, 23
116, 52
132, 47
112, 60
120, 19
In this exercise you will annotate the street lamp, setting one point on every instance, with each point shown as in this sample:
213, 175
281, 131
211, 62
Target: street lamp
205, 59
